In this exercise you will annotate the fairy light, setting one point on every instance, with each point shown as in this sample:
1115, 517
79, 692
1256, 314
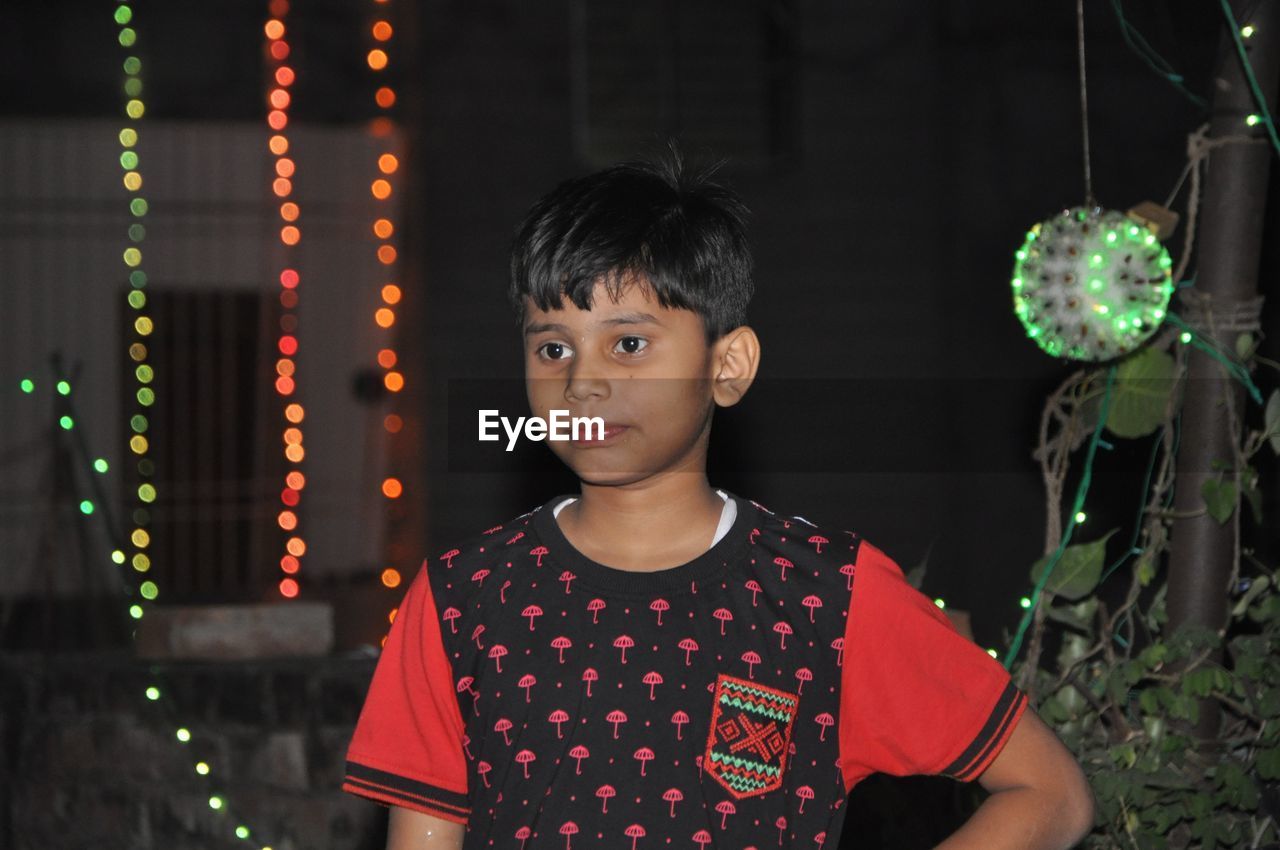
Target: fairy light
281, 77
142, 324
135, 552
382, 186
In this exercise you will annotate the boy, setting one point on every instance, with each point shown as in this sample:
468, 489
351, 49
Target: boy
655, 663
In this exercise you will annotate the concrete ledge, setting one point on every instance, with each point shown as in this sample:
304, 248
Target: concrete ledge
233, 632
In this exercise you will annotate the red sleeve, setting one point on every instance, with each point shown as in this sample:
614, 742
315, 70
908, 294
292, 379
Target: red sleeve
916, 697
407, 746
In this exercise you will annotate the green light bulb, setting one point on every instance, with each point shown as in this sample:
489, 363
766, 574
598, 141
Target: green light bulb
153, 693
1024, 602
86, 507
28, 385
64, 388
100, 465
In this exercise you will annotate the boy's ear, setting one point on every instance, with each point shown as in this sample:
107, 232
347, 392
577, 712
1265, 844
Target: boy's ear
735, 357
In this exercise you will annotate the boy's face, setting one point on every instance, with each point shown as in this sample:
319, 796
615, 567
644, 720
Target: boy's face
645, 369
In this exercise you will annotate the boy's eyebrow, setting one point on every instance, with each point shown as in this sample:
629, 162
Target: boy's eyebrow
621, 319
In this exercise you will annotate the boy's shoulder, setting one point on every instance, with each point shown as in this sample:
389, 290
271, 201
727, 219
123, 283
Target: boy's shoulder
800, 535
482, 547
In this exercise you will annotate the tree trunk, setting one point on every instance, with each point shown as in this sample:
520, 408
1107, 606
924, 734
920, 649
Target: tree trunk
1202, 557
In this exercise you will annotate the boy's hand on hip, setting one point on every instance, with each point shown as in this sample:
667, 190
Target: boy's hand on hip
1040, 799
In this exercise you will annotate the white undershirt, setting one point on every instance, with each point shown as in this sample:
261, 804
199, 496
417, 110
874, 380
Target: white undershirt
727, 515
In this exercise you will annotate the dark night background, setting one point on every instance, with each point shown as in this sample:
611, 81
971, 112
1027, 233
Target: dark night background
893, 156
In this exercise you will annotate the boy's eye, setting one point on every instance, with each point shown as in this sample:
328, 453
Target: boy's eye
553, 350
632, 344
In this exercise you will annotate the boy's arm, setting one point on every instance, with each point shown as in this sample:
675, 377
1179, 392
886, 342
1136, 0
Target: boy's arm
410, 830
1040, 799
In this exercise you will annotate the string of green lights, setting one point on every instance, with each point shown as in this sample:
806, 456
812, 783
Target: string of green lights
144, 374
1233, 367
1238, 35
1140, 46
1082, 490
139, 537
155, 691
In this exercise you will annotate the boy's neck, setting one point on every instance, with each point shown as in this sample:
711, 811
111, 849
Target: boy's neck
615, 526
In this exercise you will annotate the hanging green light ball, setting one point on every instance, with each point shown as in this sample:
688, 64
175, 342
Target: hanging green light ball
1091, 284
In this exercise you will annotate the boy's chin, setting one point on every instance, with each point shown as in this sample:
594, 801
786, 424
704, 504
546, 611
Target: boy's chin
600, 473
609, 478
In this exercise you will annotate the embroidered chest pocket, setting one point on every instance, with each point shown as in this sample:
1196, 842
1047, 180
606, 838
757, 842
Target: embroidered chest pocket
750, 736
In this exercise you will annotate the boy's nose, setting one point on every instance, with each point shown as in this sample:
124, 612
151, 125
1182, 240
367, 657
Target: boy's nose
585, 382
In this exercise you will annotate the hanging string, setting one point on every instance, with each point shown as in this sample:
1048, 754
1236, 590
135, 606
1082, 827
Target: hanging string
1089, 201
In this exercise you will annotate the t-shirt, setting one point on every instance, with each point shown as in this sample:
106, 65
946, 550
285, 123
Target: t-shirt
551, 702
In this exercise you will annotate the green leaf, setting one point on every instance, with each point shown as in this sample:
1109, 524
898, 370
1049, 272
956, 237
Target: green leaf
1245, 346
1143, 383
1256, 588
1272, 419
1219, 499
1268, 764
1153, 656
1067, 616
1253, 496
1146, 569
1078, 571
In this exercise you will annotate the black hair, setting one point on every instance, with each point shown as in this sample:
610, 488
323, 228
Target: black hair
685, 234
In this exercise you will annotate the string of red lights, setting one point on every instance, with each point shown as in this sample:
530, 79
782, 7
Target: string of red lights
278, 100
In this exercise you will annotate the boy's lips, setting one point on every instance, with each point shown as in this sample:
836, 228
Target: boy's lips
611, 432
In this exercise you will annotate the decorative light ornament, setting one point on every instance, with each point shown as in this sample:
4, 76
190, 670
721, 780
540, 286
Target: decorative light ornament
1091, 284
